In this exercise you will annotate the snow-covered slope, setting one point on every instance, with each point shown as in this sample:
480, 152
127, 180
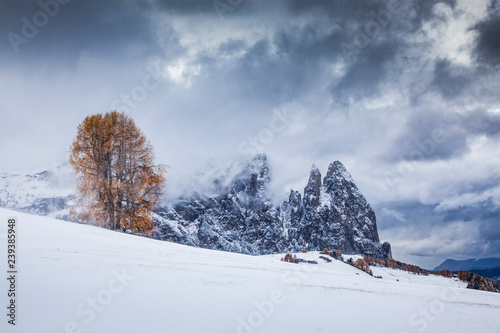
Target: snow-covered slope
77, 277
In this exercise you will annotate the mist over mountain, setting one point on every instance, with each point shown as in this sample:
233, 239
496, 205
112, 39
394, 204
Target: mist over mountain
44, 192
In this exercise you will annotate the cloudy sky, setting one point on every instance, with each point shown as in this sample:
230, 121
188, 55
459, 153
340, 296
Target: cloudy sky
405, 93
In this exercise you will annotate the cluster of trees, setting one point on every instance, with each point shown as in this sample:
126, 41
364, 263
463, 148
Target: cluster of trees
465, 276
391, 263
481, 283
118, 184
414, 269
363, 265
335, 254
478, 282
444, 273
474, 281
447, 273
378, 262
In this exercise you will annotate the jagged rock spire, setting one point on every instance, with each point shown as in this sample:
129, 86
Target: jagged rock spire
313, 188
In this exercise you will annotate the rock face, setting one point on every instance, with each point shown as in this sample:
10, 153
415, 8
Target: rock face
239, 219
332, 213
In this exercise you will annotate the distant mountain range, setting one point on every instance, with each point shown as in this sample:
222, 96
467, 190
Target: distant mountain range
487, 267
236, 214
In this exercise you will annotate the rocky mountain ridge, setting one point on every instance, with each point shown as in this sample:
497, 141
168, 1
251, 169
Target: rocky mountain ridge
332, 213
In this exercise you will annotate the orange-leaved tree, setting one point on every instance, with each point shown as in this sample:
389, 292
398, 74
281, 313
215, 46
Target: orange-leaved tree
118, 184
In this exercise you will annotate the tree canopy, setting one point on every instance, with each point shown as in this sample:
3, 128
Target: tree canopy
118, 183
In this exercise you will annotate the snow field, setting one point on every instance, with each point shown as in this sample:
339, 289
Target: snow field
79, 278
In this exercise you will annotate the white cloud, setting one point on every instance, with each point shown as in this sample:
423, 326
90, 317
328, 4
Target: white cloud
450, 30
393, 213
440, 241
469, 199
182, 73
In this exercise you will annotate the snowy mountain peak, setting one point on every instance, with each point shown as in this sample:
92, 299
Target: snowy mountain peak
338, 170
254, 178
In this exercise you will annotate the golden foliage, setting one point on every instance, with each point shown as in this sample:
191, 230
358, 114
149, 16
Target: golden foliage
289, 258
465, 276
362, 265
391, 263
446, 273
118, 183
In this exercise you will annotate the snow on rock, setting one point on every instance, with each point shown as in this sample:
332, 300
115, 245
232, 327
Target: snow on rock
332, 213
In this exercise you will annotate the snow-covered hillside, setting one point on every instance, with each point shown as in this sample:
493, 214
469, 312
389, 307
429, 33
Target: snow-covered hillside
79, 278
46, 192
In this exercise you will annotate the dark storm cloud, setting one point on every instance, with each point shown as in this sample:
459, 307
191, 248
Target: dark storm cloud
371, 36
487, 48
282, 66
486, 215
490, 231
219, 9
185, 6
485, 211
432, 134
364, 77
362, 38
361, 10
449, 83
413, 212
301, 52
306, 45
431, 229
483, 122
424, 9
343, 10
231, 47
96, 27
255, 77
